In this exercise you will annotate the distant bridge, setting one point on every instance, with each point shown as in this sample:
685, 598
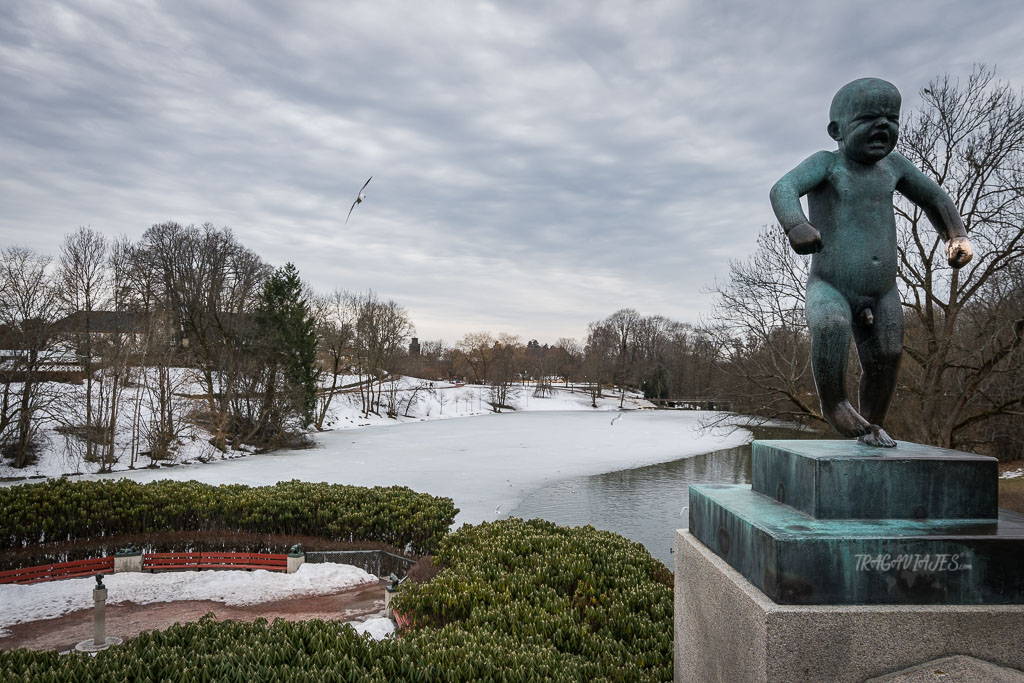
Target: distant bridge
690, 404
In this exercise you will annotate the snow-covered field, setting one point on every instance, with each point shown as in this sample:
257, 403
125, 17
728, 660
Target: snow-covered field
56, 598
415, 400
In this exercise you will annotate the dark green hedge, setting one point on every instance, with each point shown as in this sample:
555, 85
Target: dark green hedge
65, 510
517, 601
587, 602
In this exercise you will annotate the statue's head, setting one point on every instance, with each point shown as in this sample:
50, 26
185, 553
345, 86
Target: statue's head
865, 119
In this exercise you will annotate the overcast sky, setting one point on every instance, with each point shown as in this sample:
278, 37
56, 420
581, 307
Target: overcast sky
536, 166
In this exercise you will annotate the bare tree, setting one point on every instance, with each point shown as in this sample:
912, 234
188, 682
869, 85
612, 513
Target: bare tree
382, 330
155, 375
506, 366
337, 334
566, 358
82, 281
476, 351
119, 348
599, 356
964, 330
413, 395
159, 404
442, 396
211, 284
652, 337
623, 325
436, 360
758, 326
28, 308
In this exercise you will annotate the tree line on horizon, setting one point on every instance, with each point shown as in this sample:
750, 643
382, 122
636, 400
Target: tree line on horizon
270, 354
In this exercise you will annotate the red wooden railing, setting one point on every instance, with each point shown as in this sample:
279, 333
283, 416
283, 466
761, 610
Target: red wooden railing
165, 561
150, 562
59, 570
209, 560
402, 620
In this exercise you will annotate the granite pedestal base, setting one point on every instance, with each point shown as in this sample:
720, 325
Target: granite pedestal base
728, 630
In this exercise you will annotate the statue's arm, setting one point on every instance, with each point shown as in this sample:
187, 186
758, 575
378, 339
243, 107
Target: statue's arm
785, 197
937, 205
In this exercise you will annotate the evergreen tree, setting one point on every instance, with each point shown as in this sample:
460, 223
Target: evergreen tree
289, 337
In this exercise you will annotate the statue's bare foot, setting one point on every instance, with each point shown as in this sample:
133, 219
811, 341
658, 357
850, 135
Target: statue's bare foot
877, 437
846, 420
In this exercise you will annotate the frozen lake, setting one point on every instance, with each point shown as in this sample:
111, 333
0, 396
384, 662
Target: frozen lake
487, 464
645, 504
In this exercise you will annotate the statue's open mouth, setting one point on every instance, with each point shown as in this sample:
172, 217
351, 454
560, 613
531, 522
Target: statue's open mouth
880, 136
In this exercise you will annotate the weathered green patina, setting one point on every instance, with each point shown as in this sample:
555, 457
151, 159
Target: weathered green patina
852, 234
798, 560
822, 524
833, 480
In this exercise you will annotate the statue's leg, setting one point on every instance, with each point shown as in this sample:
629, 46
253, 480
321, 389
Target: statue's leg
829, 316
880, 348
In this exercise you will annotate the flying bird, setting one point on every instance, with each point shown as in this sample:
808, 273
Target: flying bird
359, 198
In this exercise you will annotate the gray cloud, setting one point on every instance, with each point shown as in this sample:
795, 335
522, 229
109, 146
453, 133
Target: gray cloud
535, 166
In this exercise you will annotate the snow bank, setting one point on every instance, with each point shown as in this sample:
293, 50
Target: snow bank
379, 628
416, 400
55, 598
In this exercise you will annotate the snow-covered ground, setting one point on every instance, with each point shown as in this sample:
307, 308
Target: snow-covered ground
379, 628
55, 598
1013, 474
415, 400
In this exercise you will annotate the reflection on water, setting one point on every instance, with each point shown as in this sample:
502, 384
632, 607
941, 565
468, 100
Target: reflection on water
644, 504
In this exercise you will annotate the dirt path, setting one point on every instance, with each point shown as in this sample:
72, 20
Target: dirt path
126, 620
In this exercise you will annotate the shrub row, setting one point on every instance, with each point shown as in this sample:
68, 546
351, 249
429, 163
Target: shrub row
64, 510
516, 601
580, 600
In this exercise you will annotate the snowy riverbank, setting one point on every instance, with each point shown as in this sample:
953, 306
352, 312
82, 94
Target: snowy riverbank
416, 400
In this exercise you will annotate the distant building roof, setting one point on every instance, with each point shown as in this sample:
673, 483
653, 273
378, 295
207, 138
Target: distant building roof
107, 322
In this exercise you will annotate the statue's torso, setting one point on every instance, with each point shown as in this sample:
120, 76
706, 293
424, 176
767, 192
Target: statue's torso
852, 209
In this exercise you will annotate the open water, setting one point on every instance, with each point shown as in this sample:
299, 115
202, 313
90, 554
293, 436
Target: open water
645, 504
